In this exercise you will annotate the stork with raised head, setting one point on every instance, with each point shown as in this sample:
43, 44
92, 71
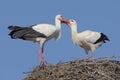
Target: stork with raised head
40, 33
89, 40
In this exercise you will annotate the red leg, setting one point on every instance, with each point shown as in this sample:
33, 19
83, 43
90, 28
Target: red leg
42, 61
86, 56
39, 55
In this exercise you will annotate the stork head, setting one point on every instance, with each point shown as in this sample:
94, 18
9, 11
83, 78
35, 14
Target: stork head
71, 23
61, 19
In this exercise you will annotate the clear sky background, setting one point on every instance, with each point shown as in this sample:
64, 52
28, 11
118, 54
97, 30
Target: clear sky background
18, 56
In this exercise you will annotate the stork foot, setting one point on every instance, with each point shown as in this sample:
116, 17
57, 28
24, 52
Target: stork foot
42, 65
93, 59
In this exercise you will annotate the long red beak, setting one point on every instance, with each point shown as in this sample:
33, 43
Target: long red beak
65, 21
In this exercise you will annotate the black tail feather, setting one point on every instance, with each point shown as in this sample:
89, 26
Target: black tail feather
103, 38
14, 30
14, 27
14, 33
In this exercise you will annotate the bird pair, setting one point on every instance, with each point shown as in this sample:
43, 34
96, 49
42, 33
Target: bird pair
41, 33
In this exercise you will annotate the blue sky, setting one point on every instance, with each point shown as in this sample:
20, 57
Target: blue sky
18, 56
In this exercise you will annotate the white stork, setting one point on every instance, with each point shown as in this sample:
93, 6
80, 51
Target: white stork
38, 33
89, 40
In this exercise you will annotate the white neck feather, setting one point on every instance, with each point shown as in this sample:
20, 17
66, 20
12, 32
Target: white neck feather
74, 33
58, 29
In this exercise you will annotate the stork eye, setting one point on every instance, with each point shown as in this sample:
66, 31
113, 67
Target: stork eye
72, 21
60, 15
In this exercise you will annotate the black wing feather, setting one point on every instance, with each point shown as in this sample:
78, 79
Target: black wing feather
102, 38
24, 32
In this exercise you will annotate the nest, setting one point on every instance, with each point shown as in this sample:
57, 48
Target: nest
100, 69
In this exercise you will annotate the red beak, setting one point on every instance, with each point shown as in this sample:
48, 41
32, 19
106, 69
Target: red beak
65, 21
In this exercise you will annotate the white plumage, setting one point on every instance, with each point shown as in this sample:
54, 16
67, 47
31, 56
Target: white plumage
38, 33
47, 30
89, 40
